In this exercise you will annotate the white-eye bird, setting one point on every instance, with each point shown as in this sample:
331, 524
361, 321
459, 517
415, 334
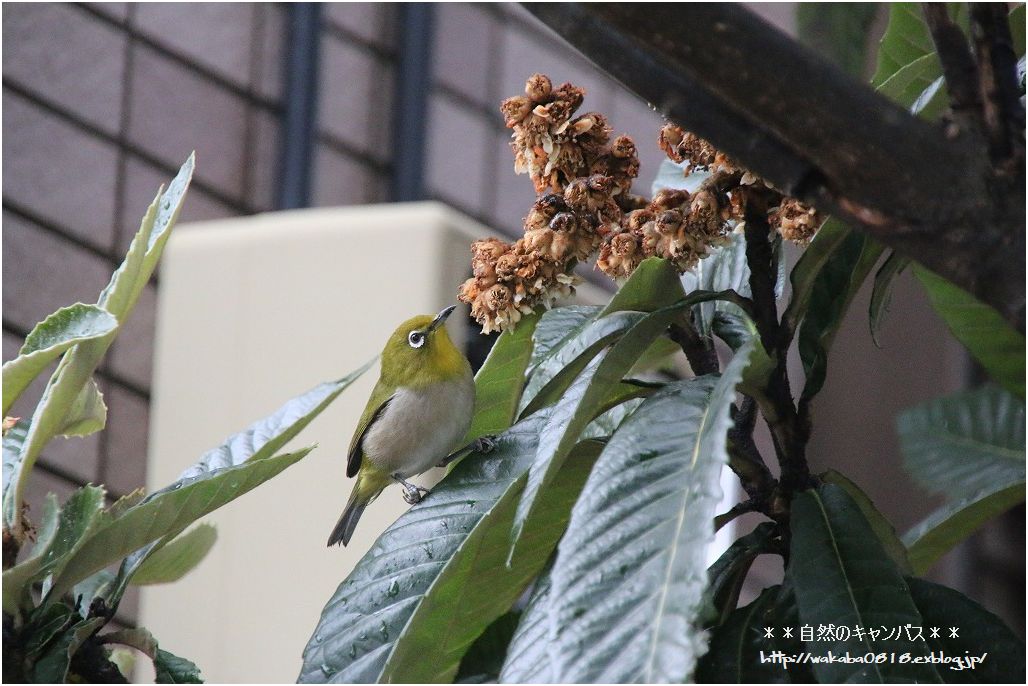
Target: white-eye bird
418, 412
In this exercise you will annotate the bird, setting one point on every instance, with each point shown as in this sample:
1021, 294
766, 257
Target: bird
418, 412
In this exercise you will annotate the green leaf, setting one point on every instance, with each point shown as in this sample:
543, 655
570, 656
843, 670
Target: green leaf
623, 402
176, 559
499, 382
627, 587
978, 631
484, 659
654, 284
172, 669
907, 84
436, 579
76, 368
80, 516
785, 613
1016, 19
52, 666
17, 580
937, 534
552, 376
558, 326
729, 572
881, 294
734, 330
43, 625
829, 238
906, 39
838, 30
49, 339
138, 638
964, 442
167, 512
656, 358
735, 646
842, 576
577, 408
88, 590
833, 288
528, 659
12, 442
882, 527
980, 328
465, 595
88, 413
724, 268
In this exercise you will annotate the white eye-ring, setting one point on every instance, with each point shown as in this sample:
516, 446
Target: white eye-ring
416, 339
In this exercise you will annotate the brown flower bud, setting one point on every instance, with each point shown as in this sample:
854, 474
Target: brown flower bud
563, 221
623, 147
514, 110
488, 248
795, 221
539, 239
598, 183
576, 194
582, 125
506, 265
538, 87
468, 291
498, 297
668, 199
669, 221
623, 244
635, 219
560, 247
704, 200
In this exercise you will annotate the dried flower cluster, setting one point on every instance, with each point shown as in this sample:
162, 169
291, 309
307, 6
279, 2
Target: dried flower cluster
554, 149
675, 225
791, 218
584, 178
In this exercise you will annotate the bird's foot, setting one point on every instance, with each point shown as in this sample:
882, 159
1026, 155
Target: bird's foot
411, 494
483, 445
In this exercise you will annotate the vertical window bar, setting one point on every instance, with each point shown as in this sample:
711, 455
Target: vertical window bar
300, 101
413, 84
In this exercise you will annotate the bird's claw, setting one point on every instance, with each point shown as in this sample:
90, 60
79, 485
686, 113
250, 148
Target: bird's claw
485, 444
414, 494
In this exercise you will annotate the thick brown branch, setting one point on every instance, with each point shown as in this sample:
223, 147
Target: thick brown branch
999, 93
957, 66
701, 355
814, 132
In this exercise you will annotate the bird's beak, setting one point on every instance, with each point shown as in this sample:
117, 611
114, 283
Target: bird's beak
441, 317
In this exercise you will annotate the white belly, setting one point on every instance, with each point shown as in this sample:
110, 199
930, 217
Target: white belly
420, 427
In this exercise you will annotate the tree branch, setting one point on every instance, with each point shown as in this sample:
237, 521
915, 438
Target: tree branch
997, 63
698, 351
815, 133
958, 67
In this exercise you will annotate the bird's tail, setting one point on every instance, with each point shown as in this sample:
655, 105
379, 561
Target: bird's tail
361, 496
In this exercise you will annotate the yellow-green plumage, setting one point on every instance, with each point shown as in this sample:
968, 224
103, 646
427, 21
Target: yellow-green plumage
418, 411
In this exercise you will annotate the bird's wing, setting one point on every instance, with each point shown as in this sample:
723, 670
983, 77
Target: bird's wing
380, 397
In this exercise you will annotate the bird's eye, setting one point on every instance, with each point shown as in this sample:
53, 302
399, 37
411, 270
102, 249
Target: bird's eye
416, 339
